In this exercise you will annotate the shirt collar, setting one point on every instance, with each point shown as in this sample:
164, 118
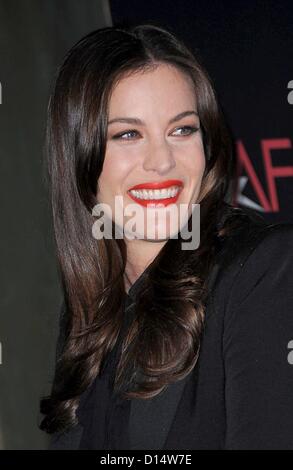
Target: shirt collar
136, 286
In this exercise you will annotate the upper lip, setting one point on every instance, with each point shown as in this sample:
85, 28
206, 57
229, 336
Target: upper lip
158, 185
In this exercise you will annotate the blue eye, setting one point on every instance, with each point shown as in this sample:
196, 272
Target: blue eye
190, 130
120, 136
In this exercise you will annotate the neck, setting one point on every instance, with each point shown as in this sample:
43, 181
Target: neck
140, 253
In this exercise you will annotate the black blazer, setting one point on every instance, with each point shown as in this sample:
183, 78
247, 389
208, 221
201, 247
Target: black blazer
240, 393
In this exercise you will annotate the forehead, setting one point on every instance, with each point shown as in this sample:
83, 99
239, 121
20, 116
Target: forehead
164, 85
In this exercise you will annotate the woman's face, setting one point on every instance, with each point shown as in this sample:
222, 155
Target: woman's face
153, 137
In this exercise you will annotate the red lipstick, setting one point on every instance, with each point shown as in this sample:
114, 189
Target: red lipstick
158, 185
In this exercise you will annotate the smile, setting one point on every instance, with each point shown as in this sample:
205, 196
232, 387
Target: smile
156, 197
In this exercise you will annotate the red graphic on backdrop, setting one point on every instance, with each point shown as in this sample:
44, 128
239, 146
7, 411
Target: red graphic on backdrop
266, 202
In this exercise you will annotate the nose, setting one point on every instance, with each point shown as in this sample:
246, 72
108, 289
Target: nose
159, 157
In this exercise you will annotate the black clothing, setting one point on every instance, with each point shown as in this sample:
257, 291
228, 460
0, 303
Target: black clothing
108, 429
240, 393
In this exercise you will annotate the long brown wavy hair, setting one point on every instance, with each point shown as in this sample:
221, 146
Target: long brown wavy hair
163, 341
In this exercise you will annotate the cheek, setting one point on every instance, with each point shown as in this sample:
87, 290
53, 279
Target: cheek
201, 164
195, 161
114, 172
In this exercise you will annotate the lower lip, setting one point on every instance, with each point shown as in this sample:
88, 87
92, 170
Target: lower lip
156, 202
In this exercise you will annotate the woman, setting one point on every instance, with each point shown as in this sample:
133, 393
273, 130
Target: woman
160, 347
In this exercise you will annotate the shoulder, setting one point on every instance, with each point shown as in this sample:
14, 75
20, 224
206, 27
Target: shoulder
252, 240
256, 258
258, 306
267, 258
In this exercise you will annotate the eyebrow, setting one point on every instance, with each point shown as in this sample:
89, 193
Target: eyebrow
138, 122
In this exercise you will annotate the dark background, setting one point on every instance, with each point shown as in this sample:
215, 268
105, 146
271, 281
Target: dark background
247, 48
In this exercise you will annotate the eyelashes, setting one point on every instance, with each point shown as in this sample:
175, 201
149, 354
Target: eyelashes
120, 136
190, 130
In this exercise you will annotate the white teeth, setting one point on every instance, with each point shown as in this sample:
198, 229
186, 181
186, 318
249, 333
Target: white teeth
155, 193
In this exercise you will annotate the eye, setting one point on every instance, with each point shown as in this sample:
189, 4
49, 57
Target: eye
130, 133
187, 130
